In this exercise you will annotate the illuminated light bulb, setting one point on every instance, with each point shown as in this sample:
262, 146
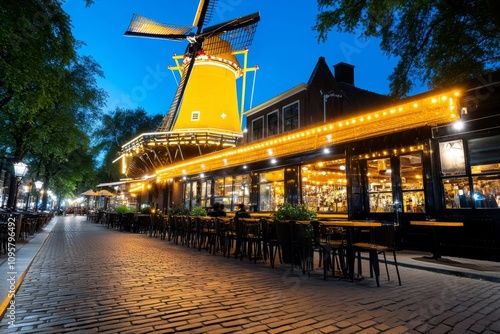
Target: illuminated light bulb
434, 100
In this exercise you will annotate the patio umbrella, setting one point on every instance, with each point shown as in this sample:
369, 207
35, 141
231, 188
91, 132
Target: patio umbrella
106, 194
89, 193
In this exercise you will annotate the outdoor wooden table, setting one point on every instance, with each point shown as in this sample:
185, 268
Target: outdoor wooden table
350, 225
434, 225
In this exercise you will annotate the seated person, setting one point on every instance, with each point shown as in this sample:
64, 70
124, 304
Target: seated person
242, 213
216, 210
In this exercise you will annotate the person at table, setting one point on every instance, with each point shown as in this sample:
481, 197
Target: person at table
242, 212
216, 211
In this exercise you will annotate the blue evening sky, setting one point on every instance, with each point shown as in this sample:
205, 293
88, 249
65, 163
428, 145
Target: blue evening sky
285, 48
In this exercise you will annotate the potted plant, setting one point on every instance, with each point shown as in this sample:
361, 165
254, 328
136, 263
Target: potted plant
178, 210
287, 211
122, 209
293, 253
198, 211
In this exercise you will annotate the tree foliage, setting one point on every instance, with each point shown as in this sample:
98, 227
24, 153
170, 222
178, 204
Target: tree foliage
115, 129
437, 42
47, 93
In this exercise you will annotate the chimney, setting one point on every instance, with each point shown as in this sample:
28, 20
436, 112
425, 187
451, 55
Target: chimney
344, 73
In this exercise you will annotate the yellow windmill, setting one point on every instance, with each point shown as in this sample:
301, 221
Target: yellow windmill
204, 114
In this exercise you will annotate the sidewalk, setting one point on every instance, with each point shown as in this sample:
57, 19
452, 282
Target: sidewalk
473, 269
12, 273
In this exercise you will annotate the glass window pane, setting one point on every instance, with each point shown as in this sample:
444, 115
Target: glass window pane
324, 186
457, 193
206, 193
291, 117
413, 201
484, 151
258, 128
219, 187
241, 194
271, 190
380, 185
411, 171
272, 123
412, 180
452, 157
271, 195
486, 191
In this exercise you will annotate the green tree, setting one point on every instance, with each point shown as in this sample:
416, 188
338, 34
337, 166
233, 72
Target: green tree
47, 92
115, 129
437, 42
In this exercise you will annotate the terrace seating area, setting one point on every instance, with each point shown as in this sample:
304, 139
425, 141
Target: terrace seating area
16, 227
331, 249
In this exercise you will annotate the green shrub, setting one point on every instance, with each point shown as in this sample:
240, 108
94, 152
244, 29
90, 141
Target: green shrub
198, 211
122, 209
287, 211
178, 210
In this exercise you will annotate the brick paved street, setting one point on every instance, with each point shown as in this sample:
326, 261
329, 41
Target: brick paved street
87, 278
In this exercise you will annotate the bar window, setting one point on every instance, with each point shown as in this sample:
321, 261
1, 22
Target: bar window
412, 182
324, 186
241, 194
271, 190
457, 193
206, 193
380, 185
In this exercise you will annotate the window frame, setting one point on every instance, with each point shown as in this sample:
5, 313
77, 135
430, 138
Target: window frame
284, 119
261, 118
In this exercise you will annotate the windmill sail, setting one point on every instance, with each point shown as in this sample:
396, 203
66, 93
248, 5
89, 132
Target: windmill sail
204, 114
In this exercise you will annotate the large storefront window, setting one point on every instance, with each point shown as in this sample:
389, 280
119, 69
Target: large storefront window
271, 190
223, 191
324, 186
479, 186
457, 193
190, 194
206, 193
485, 170
380, 185
241, 194
412, 182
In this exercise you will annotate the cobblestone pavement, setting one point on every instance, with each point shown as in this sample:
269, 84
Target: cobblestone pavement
87, 278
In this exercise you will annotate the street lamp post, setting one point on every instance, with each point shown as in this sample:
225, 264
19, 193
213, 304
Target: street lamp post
28, 192
38, 187
20, 169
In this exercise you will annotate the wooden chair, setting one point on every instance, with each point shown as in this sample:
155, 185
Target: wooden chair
382, 240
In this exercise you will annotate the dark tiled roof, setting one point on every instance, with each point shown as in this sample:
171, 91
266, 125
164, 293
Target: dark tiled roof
355, 100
